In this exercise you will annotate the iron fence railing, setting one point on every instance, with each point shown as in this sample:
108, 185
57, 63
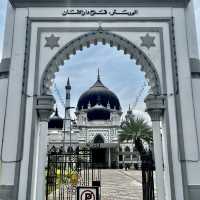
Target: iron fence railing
67, 171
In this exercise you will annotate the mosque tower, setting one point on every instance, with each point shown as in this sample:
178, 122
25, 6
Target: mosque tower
67, 106
129, 115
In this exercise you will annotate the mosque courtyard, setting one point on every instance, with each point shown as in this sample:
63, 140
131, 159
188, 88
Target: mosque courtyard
118, 184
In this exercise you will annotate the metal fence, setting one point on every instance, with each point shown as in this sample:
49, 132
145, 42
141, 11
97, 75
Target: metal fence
148, 168
67, 171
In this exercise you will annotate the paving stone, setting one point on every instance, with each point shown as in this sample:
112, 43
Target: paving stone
121, 185
118, 184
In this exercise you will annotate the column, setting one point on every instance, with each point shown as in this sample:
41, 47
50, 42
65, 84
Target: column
155, 108
109, 158
44, 109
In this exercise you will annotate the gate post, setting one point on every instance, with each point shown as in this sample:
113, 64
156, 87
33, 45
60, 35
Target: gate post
44, 109
155, 108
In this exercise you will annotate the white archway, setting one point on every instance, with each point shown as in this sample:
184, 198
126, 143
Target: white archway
105, 37
154, 101
28, 67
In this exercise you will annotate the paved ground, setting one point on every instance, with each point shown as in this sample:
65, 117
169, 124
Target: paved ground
121, 185
116, 184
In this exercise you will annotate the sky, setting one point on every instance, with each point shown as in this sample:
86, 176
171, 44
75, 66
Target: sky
2, 23
117, 71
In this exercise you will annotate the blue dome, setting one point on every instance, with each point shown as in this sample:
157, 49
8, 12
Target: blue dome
98, 94
98, 114
55, 122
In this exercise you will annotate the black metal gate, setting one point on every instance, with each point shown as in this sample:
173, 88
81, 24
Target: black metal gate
66, 171
148, 168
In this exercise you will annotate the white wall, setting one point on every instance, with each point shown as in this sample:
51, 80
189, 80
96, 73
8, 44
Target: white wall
13, 111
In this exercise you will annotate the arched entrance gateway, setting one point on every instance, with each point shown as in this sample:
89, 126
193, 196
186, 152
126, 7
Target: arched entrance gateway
160, 35
99, 154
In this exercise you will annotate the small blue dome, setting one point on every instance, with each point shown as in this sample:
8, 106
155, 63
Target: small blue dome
55, 122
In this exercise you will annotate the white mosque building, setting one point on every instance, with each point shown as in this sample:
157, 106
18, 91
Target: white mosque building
97, 126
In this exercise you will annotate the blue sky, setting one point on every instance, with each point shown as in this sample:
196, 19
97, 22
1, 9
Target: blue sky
118, 72
2, 22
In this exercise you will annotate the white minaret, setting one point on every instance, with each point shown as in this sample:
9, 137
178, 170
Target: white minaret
67, 106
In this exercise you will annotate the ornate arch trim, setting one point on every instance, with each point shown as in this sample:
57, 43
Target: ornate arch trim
105, 37
99, 136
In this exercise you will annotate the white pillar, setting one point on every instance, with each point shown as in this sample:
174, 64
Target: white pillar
40, 191
155, 107
109, 158
158, 154
192, 28
44, 108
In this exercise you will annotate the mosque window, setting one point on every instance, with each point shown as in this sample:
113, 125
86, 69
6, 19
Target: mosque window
69, 149
98, 139
127, 153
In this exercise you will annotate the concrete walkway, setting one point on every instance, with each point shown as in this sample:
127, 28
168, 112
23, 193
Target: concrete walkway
121, 185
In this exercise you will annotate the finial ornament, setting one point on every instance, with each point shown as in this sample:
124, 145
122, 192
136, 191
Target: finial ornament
68, 82
108, 105
89, 105
100, 28
56, 112
98, 75
68, 86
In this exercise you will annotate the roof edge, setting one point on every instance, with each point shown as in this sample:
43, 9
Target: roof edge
63, 3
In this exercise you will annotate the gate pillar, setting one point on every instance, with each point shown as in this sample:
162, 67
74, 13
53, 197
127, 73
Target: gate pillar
155, 108
44, 109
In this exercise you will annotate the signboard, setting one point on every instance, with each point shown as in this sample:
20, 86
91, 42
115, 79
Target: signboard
87, 193
98, 12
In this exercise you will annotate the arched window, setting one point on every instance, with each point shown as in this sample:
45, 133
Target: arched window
127, 153
77, 150
61, 150
120, 157
53, 150
69, 150
98, 139
127, 149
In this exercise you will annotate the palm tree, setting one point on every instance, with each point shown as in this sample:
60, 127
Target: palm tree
136, 129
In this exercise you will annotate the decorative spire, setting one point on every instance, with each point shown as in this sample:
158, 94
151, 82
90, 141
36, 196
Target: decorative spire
98, 75
68, 86
129, 110
89, 105
56, 112
108, 105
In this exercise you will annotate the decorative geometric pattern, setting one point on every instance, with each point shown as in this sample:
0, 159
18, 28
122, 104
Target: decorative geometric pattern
52, 41
106, 38
148, 41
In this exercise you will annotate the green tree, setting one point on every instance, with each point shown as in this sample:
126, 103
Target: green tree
134, 129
